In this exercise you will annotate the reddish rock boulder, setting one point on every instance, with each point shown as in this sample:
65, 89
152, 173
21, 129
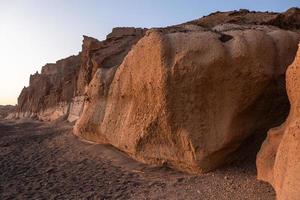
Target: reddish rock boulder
189, 98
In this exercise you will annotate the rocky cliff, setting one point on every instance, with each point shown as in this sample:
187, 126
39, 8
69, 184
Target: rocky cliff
60, 89
186, 96
101, 55
50, 92
65, 83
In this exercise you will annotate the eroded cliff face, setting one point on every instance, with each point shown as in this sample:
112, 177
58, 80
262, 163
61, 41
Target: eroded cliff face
185, 95
101, 55
190, 98
60, 89
278, 161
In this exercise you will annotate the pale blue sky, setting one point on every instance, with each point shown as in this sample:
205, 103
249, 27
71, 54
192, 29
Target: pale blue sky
35, 32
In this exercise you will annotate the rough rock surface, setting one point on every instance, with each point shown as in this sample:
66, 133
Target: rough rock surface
101, 55
176, 100
49, 93
278, 161
105, 54
6, 110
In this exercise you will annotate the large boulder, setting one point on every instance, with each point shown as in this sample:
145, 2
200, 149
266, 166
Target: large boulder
189, 97
278, 161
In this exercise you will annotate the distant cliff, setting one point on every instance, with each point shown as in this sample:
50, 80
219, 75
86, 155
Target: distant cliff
59, 91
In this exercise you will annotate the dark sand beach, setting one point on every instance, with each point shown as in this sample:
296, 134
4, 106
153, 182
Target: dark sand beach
46, 161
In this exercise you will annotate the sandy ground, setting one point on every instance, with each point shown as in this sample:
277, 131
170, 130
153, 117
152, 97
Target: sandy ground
45, 161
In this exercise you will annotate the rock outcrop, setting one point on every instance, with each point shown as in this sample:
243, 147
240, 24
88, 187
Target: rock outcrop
177, 100
60, 89
185, 95
278, 161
